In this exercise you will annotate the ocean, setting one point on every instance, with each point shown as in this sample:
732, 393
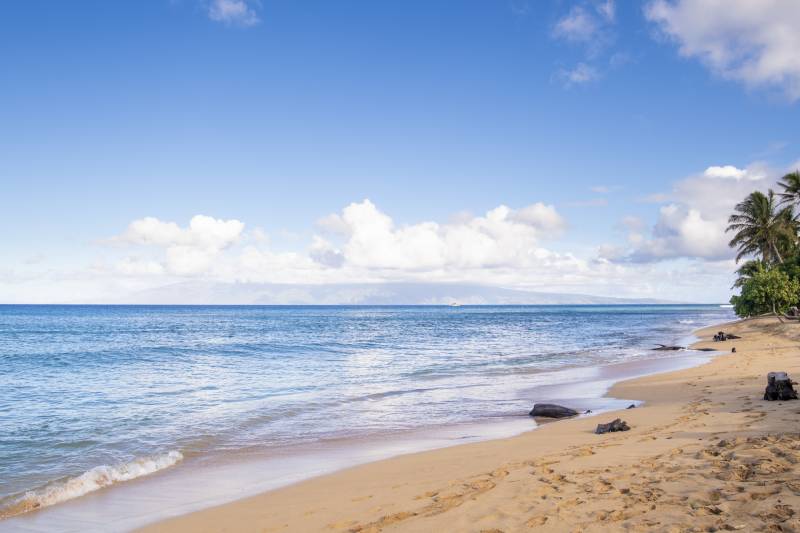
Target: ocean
96, 396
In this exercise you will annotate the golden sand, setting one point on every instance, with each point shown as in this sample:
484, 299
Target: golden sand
705, 453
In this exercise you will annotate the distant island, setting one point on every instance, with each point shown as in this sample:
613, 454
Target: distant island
211, 293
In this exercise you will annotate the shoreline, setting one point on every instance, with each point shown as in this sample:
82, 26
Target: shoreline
580, 480
581, 387
349, 453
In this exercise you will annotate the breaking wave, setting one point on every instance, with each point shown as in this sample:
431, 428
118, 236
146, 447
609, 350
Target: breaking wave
95, 479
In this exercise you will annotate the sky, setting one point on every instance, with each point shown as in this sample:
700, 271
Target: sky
590, 146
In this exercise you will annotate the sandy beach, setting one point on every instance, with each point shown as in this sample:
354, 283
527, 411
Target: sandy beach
705, 453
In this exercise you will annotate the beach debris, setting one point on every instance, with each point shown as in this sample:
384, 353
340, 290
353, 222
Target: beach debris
587, 412
733, 350
631, 406
779, 387
705, 350
551, 410
722, 336
664, 348
614, 425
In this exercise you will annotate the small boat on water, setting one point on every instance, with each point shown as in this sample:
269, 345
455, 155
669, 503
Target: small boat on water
455, 304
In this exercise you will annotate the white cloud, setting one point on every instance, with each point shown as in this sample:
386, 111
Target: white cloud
333, 224
325, 253
578, 75
632, 223
609, 253
579, 25
607, 10
731, 172
692, 224
233, 12
203, 231
370, 246
755, 42
502, 237
538, 215
590, 26
131, 266
682, 232
258, 235
503, 247
190, 250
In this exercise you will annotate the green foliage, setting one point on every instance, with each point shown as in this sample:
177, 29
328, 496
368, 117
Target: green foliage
790, 184
791, 266
762, 228
747, 270
765, 227
766, 290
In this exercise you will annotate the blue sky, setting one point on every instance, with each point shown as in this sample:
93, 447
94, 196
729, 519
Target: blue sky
281, 113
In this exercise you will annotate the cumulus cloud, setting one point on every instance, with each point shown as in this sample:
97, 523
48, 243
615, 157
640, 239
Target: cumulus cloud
233, 12
752, 42
731, 172
503, 236
325, 253
693, 221
365, 243
189, 250
203, 231
504, 246
333, 224
682, 231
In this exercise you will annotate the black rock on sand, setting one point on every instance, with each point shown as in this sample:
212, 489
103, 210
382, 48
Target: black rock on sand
615, 425
551, 410
779, 387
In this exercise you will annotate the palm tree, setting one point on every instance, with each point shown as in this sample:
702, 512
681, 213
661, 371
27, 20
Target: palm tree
762, 228
748, 270
790, 184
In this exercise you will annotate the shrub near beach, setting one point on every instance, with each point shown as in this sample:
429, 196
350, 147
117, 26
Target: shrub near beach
766, 227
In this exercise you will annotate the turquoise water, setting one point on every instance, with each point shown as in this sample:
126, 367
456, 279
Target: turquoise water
91, 396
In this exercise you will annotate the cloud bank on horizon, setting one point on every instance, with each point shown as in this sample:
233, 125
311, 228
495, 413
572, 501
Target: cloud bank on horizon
508, 247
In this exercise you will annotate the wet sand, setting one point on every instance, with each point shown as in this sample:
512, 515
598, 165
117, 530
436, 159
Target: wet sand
705, 453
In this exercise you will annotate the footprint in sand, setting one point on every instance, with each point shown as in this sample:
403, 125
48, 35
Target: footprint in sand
536, 521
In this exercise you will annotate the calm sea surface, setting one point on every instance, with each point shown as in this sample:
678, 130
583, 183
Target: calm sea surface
95, 395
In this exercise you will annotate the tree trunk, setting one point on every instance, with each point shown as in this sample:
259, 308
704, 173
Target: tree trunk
777, 254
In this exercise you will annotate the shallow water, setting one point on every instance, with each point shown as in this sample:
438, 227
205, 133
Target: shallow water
93, 396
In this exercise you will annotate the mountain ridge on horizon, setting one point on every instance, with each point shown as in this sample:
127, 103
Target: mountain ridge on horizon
220, 293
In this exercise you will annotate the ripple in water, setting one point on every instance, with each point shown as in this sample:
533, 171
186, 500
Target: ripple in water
139, 387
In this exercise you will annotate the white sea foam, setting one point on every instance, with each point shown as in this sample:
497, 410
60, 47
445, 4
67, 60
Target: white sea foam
686, 321
95, 479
